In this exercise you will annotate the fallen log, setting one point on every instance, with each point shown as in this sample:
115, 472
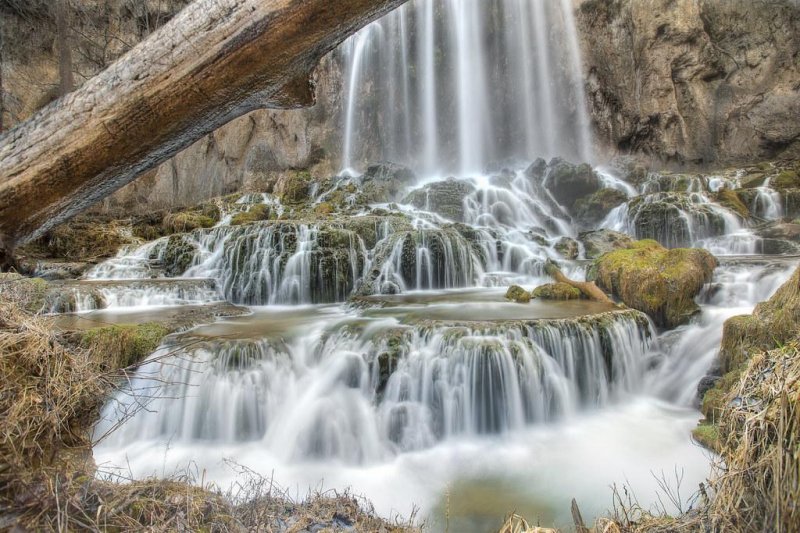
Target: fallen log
215, 61
587, 288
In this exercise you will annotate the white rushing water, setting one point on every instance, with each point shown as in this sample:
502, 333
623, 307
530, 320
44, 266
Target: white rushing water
484, 83
379, 352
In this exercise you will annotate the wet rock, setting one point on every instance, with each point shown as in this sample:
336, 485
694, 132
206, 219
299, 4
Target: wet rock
597, 243
385, 182
568, 248
568, 182
591, 210
675, 219
557, 291
537, 170
445, 198
791, 202
178, 255
779, 238
517, 294
295, 187
732, 201
662, 283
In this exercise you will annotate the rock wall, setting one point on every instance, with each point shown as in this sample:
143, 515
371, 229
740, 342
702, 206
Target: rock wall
694, 81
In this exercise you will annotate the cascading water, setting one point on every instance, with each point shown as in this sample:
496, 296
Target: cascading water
378, 355
460, 99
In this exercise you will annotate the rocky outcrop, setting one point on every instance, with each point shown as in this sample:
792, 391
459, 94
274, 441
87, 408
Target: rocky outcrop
675, 219
656, 281
698, 81
597, 243
445, 198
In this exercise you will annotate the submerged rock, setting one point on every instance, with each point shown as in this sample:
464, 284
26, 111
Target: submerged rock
517, 294
597, 243
445, 198
557, 291
657, 281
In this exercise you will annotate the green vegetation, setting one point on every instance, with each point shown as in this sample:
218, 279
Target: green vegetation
557, 291
126, 345
256, 213
708, 436
656, 281
517, 294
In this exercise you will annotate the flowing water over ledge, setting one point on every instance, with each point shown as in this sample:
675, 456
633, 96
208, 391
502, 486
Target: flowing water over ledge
378, 352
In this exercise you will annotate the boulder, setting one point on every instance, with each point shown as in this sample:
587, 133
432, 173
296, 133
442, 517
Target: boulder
568, 183
660, 282
568, 248
517, 294
445, 198
385, 182
557, 291
599, 242
591, 210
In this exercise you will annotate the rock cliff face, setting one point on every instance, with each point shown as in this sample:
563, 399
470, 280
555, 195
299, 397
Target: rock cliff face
688, 81
681, 81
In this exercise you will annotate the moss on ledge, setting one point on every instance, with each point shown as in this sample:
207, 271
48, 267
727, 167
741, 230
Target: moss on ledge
123, 345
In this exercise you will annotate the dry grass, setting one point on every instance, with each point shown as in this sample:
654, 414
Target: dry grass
517, 524
758, 485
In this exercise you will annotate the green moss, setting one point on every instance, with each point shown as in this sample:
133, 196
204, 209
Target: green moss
708, 435
124, 345
557, 291
656, 281
324, 209
787, 179
178, 255
517, 294
296, 187
256, 213
187, 221
731, 200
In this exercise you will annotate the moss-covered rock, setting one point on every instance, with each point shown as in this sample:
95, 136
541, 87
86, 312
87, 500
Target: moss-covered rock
557, 291
597, 243
178, 255
295, 188
203, 216
568, 248
517, 294
731, 200
591, 210
708, 435
256, 213
85, 238
656, 281
445, 198
568, 183
786, 179
123, 345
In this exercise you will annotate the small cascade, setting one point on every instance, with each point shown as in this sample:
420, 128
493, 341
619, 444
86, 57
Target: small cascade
433, 87
362, 393
84, 296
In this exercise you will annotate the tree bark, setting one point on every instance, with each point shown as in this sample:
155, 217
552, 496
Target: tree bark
216, 60
587, 288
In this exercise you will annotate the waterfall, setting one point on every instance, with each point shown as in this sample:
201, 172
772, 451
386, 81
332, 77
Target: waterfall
438, 90
362, 394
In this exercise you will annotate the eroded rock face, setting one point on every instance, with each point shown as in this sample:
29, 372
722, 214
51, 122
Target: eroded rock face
568, 183
657, 281
700, 82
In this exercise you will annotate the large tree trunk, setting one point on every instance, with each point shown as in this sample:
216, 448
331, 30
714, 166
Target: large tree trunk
215, 61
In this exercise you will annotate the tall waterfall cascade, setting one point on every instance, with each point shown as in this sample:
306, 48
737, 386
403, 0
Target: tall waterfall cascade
463, 86
374, 347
